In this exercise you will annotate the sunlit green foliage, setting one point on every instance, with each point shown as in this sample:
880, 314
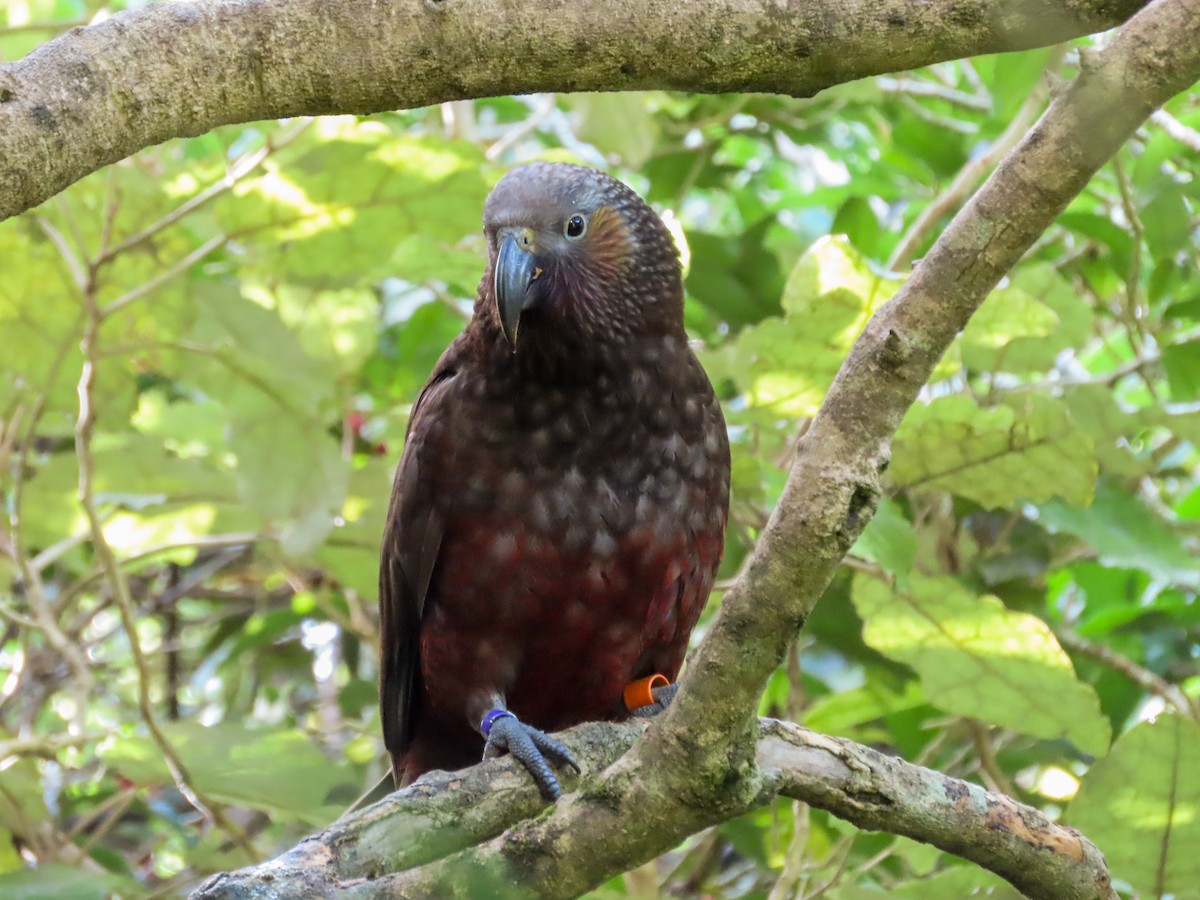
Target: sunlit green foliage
273, 296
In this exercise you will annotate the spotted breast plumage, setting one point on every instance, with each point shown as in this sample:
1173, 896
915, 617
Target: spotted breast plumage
559, 510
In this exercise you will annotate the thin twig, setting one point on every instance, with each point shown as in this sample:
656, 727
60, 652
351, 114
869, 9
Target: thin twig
54, 27
112, 809
11, 615
1133, 307
1187, 136
45, 746
78, 272
796, 855
35, 593
845, 845
84, 429
869, 864
57, 549
64, 210
540, 113
10, 425
164, 276
915, 87
972, 76
1139, 675
200, 541
925, 114
112, 203
972, 173
988, 767
238, 169
449, 301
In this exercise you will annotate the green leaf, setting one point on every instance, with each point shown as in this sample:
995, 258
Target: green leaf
888, 540
1013, 78
1182, 364
1007, 314
976, 658
336, 327
1036, 289
788, 364
22, 805
1102, 229
289, 470
10, 859
156, 494
1141, 806
616, 123
1166, 222
1124, 532
312, 222
961, 881
278, 771
406, 353
735, 276
1032, 451
857, 220
39, 315
1113, 431
1185, 425
418, 259
1189, 506
1184, 309
55, 881
351, 555
845, 712
833, 272
254, 348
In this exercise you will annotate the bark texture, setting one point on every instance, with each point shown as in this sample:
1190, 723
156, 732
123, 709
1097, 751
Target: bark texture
705, 761
445, 812
99, 93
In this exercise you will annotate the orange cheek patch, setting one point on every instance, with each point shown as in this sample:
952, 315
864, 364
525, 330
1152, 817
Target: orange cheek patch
608, 245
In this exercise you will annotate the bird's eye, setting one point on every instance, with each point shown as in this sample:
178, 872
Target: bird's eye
575, 227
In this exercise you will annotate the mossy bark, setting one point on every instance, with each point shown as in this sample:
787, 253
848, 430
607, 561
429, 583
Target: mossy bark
98, 94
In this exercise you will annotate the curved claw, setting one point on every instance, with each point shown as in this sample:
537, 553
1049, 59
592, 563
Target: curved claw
531, 748
663, 695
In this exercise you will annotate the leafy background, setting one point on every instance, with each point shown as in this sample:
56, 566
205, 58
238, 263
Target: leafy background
254, 310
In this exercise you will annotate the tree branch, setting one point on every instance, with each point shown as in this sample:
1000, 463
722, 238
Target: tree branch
446, 812
97, 94
700, 764
972, 173
440, 814
834, 482
1144, 678
884, 793
84, 433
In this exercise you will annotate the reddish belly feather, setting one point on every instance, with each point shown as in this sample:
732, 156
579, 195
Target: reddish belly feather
560, 635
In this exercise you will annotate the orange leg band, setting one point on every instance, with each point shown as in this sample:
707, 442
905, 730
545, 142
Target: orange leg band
641, 692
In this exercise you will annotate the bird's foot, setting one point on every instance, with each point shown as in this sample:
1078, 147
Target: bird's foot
649, 696
505, 732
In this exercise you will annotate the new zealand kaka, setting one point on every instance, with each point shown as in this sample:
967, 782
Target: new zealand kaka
559, 510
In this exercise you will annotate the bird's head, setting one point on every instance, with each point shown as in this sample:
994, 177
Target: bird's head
577, 258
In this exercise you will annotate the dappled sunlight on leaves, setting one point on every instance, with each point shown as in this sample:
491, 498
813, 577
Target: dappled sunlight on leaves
278, 292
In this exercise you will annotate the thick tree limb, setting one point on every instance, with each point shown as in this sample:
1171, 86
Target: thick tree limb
97, 94
445, 812
698, 766
884, 793
834, 483
441, 813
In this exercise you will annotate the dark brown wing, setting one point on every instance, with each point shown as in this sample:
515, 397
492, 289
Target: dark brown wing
411, 540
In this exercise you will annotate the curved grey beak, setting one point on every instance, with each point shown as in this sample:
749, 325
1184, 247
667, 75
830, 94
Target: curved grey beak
516, 270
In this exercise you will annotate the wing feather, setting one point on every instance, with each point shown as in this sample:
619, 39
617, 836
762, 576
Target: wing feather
412, 538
